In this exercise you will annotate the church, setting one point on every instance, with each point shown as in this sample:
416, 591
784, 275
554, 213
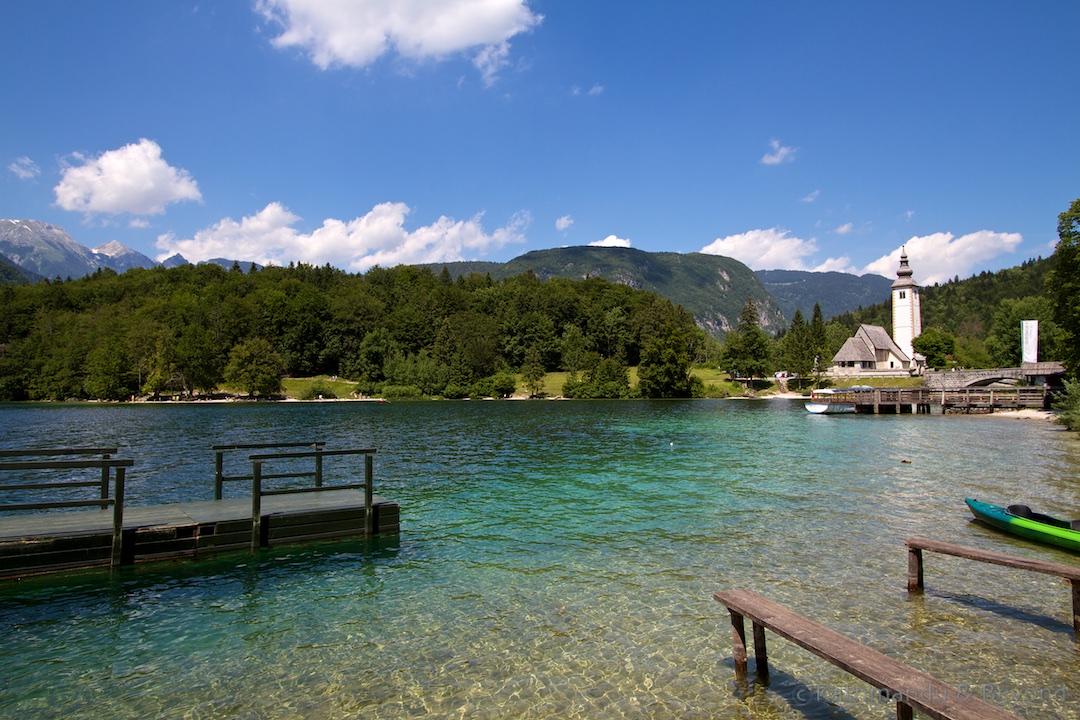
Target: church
872, 352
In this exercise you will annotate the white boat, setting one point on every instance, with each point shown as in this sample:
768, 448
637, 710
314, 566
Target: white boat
823, 402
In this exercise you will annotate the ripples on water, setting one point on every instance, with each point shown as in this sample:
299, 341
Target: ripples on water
557, 559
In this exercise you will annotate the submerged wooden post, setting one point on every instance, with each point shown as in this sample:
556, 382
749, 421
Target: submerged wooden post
761, 655
1075, 607
738, 642
914, 569
256, 505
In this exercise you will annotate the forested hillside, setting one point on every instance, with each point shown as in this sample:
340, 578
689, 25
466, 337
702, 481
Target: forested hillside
197, 328
712, 287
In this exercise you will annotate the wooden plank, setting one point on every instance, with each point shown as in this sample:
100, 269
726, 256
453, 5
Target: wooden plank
1069, 572
902, 682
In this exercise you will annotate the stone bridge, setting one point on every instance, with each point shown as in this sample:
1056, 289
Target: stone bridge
956, 379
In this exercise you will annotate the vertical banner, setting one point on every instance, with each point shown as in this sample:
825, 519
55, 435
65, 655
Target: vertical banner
1029, 341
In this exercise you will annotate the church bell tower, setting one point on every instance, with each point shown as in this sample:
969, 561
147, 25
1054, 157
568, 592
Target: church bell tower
906, 314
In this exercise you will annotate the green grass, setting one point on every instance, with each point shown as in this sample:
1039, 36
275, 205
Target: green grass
300, 387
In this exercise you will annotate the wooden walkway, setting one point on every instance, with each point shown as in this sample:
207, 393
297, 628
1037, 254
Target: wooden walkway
910, 688
114, 535
895, 401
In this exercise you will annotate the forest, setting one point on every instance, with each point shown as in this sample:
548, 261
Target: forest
195, 329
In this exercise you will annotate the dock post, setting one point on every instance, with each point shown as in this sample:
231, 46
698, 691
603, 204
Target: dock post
915, 571
369, 520
738, 642
318, 465
118, 519
105, 478
256, 505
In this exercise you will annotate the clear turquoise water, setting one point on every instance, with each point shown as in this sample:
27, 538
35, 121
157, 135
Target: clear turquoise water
558, 559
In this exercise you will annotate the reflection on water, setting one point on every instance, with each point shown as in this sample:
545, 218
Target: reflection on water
557, 559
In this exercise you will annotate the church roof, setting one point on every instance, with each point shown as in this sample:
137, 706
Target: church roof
863, 346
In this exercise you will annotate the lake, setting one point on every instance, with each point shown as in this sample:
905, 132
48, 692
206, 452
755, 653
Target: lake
558, 559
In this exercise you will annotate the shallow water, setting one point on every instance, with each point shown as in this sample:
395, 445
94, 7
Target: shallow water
558, 559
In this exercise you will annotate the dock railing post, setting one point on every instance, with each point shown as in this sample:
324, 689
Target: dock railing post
256, 505
118, 518
105, 478
369, 521
219, 463
915, 570
318, 465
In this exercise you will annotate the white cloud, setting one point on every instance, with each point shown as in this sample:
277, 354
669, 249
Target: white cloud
811, 197
356, 34
564, 223
132, 179
773, 249
940, 257
845, 229
378, 238
24, 168
611, 241
780, 154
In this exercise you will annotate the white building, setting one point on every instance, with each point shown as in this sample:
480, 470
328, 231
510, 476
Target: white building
871, 352
906, 313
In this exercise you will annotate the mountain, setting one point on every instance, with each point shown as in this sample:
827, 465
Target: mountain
49, 251
114, 255
712, 288
836, 292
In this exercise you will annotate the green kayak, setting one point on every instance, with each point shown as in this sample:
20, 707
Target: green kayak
1021, 520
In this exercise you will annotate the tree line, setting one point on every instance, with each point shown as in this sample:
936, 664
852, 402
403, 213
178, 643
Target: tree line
197, 328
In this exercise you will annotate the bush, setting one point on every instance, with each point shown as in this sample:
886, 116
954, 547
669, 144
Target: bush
401, 392
318, 390
1068, 405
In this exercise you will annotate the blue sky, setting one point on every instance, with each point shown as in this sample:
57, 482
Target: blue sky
816, 136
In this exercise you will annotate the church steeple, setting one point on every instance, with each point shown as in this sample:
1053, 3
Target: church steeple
907, 314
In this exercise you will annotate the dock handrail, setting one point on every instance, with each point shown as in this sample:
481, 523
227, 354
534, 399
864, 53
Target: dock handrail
220, 478
106, 463
257, 491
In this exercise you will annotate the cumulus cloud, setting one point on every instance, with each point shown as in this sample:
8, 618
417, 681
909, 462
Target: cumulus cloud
611, 241
941, 256
779, 154
377, 238
356, 34
133, 179
773, 249
845, 229
24, 168
564, 223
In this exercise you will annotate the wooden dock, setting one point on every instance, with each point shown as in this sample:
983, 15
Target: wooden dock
115, 536
972, 400
910, 688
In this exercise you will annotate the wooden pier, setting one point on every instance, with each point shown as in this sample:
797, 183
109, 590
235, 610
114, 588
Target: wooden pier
114, 535
910, 688
972, 400
915, 583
